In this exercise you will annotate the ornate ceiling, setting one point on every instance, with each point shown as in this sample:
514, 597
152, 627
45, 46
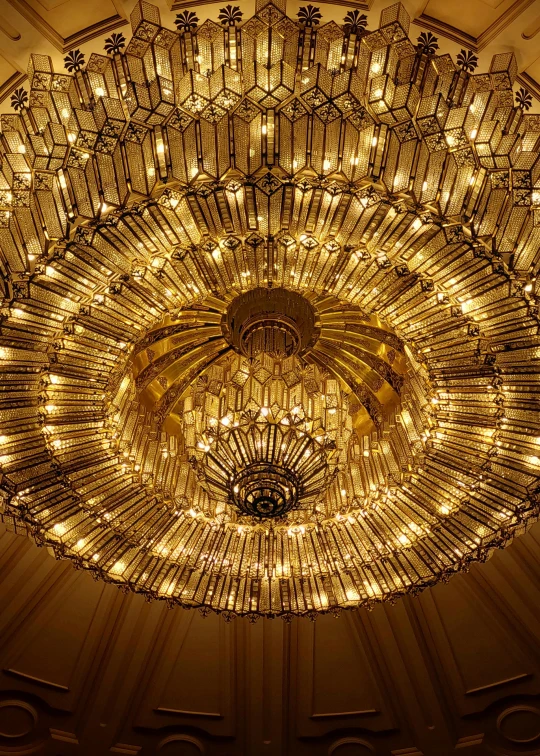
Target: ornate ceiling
269, 346
87, 669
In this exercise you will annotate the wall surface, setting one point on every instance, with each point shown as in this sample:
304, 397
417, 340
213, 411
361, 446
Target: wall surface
86, 669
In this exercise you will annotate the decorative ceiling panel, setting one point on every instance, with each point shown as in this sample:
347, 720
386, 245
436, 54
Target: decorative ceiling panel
88, 669
479, 20
64, 24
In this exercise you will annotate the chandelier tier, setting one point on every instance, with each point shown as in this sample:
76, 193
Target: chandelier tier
263, 432
269, 339
265, 489
273, 470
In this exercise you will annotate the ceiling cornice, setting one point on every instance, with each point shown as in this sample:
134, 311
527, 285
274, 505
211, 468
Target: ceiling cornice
476, 44
529, 83
79, 38
11, 84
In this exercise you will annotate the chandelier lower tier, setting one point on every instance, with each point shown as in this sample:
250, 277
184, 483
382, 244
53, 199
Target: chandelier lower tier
269, 333
266, 469
266, 489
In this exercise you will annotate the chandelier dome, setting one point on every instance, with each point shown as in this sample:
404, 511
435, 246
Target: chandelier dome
288, 377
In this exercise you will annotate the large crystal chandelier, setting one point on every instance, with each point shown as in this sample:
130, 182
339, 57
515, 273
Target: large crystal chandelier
269, 340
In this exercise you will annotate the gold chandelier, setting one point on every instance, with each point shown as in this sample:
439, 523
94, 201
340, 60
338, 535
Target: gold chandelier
269, 339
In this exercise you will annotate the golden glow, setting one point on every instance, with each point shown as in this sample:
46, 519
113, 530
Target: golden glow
394, 416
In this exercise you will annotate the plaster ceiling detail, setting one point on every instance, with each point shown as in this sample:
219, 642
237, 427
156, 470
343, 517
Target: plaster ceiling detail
53, 28
88, 669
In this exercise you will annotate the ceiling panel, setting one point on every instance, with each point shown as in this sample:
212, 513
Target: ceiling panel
85, 668
471, 16
69, 17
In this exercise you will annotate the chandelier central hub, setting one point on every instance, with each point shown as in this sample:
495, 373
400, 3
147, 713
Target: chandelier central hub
276, 322
265, 490
266, 464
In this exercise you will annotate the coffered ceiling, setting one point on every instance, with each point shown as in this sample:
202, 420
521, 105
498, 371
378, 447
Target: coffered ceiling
86, 669
54, 27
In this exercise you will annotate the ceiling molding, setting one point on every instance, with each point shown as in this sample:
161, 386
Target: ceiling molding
180, 4
38, 23
79, 38
209, 714
447, 31
476, 44
95, 30
470, 740
529, 83
35, 680
350, 5
334, 714
502, 22
64, 737
10, 31
496, 684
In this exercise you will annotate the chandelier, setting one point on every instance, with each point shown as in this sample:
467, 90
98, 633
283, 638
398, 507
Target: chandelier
269, 329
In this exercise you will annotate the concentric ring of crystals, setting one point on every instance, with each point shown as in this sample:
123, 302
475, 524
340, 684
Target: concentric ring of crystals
355, 183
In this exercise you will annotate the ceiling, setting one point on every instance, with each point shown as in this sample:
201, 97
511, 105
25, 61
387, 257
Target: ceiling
54, 27
87, 669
